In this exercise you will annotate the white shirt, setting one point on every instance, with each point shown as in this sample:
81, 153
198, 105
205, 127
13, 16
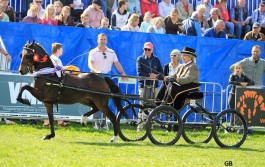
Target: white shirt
102, 62
164, 8
56, 61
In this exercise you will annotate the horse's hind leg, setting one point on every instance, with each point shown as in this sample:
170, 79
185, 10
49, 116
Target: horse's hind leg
87, 114
51, 120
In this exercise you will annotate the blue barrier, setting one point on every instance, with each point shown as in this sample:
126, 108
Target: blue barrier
214, 55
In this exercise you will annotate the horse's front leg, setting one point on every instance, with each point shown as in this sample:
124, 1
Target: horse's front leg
19, 96
51, 119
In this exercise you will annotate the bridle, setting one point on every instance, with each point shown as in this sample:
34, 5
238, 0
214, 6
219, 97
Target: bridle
28, 65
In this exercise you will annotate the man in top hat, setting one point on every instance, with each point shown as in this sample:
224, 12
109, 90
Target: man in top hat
185, 79
95, 13
255, 34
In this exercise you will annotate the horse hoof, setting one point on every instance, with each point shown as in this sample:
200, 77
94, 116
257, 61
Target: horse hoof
46, 138
83, 120
24, 101
113, 139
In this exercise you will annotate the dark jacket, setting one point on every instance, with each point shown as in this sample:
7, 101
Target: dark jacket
146, 66
236, 80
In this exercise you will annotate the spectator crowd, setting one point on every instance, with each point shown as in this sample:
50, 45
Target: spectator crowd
209, 20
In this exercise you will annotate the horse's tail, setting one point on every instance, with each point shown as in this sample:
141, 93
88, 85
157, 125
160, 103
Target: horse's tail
115, 89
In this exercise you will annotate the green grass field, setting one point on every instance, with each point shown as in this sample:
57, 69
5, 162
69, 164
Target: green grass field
83, 146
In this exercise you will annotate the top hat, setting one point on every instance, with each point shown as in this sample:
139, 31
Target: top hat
188, 50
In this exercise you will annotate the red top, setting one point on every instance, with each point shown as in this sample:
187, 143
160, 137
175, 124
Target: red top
224, 14
152, 8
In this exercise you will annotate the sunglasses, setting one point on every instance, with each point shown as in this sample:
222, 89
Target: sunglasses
104, 55
146, 49
38, 1
173, 55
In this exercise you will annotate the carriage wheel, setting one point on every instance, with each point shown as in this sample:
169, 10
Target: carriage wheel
134, 127
197, 127
229, 129
164, 125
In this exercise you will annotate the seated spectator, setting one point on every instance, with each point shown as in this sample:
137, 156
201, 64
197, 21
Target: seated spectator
259, 16
33, 15
223, 12
41, 11
184, 8
171, 67
64, 19
164, 7
134, 7
95, 13
3, 15
202, 19
77, 8
58, 8
158, 27
103, 6
49, 17
8, 10
208, 7
84, 21
191, 26
104, 24
238, 16
217, 31
120, 16
149, 6
172, 23
255, 34
147, 22
132, 24
214, 17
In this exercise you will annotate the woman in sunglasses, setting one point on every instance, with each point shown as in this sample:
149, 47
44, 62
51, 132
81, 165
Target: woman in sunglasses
170, 68
41, 11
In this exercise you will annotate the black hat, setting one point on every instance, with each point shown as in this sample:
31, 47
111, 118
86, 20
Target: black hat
188, 50
98, 2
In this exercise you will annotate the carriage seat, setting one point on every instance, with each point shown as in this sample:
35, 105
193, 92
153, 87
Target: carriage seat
195, 95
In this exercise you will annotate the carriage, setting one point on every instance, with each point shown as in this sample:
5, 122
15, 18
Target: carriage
160, 122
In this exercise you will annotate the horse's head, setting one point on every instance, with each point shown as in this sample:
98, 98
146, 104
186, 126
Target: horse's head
33, 57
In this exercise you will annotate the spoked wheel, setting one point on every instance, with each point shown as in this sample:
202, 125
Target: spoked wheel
229, 129
164, 125
197, 127
133, 128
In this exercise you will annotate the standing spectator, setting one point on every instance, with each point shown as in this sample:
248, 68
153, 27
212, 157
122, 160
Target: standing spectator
64, 19
57, 51
184, 8
191, 26
134, 7
164, 8
202, 19
171, 68
238, 16
158, 27
120, 16
237, 78
259, 16
255, 34
49, 16
132, 24
77, 8
33, 15
95, 13
208, 7
41, 11
104, 24
147, 22
58, 8
225, 15
149, 6
84, 21
214, 17
172, 23
8, 10
3, 16
254, 66
217, 31
148, 65
101, 58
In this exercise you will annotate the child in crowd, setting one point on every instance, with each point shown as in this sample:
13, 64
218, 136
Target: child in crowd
147, 22
104, 23
237, 78
49, 16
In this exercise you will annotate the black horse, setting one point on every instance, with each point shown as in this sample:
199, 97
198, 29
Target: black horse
85, 88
